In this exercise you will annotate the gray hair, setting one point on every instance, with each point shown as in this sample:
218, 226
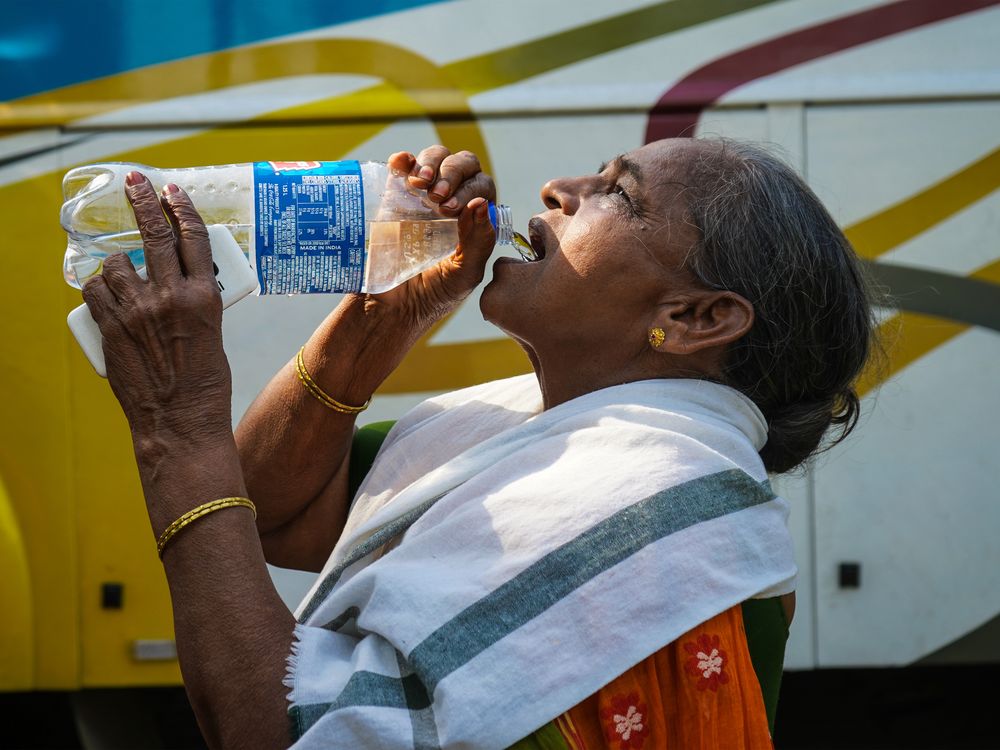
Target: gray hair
765, 235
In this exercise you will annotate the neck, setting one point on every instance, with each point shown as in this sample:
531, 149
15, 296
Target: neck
562, 379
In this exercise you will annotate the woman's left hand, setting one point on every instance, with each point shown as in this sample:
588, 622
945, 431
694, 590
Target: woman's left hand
163, 336
166, 365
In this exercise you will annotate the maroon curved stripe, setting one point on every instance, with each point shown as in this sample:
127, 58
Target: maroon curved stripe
677, 111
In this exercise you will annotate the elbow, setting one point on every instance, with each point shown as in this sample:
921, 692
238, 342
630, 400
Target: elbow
241, 722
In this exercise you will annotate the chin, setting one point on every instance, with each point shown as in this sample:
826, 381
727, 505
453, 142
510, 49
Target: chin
499, 306
489, 303
510, 300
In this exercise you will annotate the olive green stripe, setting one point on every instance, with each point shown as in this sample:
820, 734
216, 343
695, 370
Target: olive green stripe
368, 689
372, 543
562, 571
965, 300
540, 586
513, 64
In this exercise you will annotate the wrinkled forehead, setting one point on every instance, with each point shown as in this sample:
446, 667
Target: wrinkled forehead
665, 160
662, 170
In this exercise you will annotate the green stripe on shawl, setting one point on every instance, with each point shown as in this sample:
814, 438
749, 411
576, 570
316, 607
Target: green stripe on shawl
565, 569
369, 545
552, 578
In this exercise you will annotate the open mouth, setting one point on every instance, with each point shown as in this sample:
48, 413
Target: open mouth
530, 248
524, 248
536, 238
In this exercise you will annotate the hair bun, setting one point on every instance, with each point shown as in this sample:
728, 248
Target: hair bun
796, 429
766, 236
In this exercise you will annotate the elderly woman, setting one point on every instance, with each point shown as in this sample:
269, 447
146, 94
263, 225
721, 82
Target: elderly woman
555, 560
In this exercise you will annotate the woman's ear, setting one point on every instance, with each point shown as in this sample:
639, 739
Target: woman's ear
700, 321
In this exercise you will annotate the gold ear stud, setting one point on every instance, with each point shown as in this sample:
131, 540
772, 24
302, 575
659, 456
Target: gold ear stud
656, 337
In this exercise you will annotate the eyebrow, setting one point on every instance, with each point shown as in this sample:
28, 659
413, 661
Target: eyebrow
622, 163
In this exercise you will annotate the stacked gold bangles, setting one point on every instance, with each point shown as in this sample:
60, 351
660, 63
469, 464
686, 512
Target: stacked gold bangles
319, 394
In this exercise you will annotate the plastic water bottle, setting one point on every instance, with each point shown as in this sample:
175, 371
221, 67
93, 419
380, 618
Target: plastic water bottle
306, 226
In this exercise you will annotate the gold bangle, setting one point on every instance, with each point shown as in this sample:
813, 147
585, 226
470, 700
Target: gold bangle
310, 385
195, 513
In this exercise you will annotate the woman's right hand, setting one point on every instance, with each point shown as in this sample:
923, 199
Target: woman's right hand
459, 187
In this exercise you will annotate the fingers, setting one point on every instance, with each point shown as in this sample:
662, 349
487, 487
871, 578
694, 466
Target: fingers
169, 254
452, 174
480, 186
121, 279
426, 169
451, 180
100, 299
454, 170
476, 239
403, 162
158, 242
193, 246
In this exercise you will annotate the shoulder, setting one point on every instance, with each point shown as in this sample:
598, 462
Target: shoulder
516, 398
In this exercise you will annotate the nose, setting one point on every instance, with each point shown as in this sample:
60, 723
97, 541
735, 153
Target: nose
564, 193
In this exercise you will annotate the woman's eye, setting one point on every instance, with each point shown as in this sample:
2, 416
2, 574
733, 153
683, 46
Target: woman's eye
619, 190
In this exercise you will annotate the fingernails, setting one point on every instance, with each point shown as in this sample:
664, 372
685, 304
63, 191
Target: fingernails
426, 173
482, 213
170, 189
441, 189
450, 203
133, 178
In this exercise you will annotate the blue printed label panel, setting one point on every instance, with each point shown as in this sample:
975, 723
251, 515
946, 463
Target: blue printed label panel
310, 226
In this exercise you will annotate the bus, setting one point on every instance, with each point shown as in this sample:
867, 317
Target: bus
890, 110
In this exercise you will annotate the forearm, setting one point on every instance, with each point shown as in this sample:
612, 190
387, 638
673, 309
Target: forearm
233, 631
293, 448
167, 367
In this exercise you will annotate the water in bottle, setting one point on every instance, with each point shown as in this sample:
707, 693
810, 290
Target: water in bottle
312, 226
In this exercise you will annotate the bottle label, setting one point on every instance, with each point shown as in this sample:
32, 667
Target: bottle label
310, 226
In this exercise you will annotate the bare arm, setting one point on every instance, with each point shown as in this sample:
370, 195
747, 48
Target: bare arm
294, 450
233, 631
167, 367
163, 347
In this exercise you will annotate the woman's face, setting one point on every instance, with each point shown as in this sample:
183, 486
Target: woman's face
614, 244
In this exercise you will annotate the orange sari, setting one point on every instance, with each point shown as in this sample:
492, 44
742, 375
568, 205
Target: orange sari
698, 693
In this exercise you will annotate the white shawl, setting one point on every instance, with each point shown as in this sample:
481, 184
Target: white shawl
502, 563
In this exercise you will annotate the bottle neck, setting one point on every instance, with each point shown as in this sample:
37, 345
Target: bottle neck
503, 223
